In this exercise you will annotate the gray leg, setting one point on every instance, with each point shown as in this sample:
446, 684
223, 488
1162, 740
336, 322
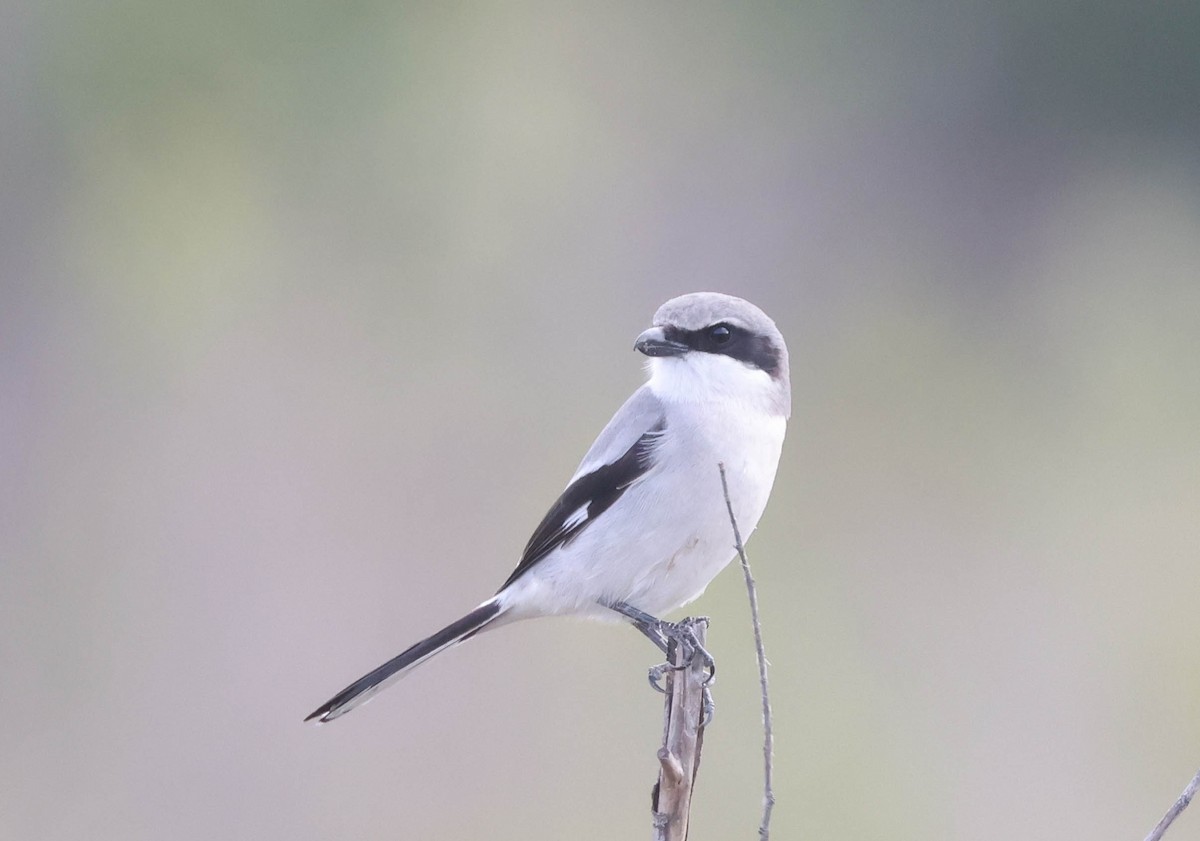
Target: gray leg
663, 634
655, 629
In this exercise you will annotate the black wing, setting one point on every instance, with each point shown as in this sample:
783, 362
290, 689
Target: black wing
587, 498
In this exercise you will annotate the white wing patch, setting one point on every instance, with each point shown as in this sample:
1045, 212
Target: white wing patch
576, 517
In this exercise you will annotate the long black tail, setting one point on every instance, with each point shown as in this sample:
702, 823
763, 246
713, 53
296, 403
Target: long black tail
364, 689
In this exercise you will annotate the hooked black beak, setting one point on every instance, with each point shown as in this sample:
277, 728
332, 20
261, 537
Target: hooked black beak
654, 342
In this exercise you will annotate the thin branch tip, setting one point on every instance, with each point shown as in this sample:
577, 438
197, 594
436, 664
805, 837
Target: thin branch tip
1176, 809
768, 730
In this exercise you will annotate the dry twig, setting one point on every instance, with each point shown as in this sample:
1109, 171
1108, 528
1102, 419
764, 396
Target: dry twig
1176, 808
683, 736
764, 827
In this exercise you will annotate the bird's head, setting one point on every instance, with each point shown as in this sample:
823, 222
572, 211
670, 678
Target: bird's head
707, 346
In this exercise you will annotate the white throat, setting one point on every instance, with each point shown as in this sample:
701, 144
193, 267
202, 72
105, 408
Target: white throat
713, 378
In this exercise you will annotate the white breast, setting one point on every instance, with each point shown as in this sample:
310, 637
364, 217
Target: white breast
669, 534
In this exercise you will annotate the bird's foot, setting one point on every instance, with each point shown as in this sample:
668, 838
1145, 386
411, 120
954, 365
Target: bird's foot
681, 634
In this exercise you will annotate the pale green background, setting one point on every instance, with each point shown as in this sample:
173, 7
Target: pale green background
309, 310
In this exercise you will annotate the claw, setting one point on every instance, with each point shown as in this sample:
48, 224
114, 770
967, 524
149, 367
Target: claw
656, 674
684, 633
709, 709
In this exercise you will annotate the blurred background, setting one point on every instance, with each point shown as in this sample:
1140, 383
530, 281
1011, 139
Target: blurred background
308, 311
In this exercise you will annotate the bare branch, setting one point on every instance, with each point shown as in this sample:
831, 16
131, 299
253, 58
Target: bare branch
1176, 808
764, 828
683, 736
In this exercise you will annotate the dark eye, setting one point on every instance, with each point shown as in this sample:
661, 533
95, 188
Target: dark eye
720, 334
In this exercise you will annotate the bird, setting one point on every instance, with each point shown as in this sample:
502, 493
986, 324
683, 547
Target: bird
642, 526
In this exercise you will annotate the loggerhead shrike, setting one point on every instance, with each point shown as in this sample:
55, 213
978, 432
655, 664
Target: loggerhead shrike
642, 526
